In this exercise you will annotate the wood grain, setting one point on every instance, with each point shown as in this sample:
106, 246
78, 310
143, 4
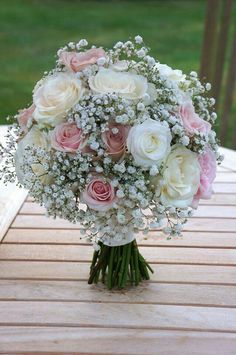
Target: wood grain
149, 293
69, 253
53, 270
115, 341
135, 316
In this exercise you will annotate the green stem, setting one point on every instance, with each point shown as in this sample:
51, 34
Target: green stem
127, 261
124, 248
110, 268
136, 263
119, 265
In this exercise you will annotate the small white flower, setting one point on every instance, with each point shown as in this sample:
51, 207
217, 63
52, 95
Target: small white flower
138, 39
96, 247
118, 45
213, 116
150, 60
140, 106
212, 101
94, 145
154, 170
193, 74
99, 169
185, 140
120, 193
83, 43
115, 130
121, 218
131, 170
141, 53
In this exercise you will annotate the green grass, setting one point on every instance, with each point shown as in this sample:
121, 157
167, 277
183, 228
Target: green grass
32, 31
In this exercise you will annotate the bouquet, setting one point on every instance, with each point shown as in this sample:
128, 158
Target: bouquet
119, 143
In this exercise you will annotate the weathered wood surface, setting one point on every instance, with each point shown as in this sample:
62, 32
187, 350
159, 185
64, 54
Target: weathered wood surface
189, 305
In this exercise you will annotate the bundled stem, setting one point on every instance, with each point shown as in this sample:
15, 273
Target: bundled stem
119, 266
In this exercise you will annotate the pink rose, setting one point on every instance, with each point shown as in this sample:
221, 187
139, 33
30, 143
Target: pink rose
67, 137
99, 194
207, 163
25, 115
115, 140
191, 121
79, 61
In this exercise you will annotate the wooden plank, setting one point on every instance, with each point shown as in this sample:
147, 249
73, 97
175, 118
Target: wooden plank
224, 188
84, 253
148, 293
220, 200
194, 224
135, 316
43, 270
229, 158
215, 212
60, 236
115, 341
31, 208
223, 169
226, 177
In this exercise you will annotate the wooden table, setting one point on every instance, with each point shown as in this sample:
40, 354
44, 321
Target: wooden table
188, 307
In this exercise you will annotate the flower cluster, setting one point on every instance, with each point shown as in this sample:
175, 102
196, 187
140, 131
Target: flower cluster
115, 141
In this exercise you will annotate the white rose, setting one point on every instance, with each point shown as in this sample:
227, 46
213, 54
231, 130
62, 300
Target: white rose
149, 143
126, 84
33, 138
57, 94
181, 178
169, 73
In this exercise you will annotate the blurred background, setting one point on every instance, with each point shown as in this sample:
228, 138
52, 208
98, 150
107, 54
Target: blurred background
31, 31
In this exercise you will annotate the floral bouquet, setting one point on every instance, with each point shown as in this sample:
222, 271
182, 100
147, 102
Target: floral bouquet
119, 143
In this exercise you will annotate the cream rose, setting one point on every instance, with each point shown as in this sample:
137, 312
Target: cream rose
171, 74
181, 178
128, 85
149, 143
36, 138
57, 94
